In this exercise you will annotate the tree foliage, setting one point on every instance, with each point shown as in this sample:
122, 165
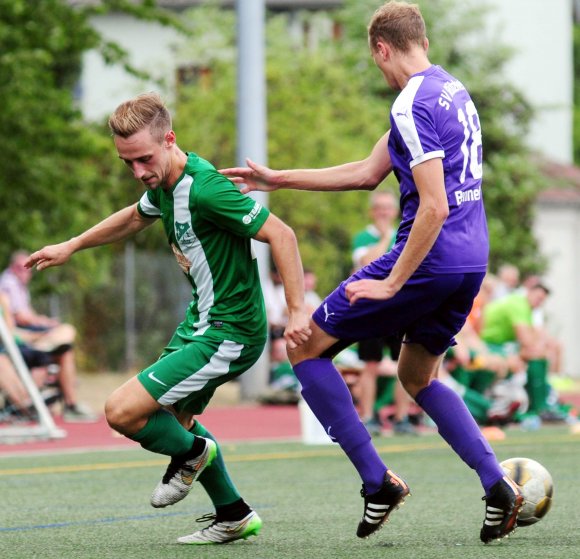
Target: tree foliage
329, 104
58, 173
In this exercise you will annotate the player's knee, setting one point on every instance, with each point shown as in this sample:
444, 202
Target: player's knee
298, 354
118, 415
413, 384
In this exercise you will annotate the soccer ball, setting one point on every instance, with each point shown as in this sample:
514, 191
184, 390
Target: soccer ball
536, 485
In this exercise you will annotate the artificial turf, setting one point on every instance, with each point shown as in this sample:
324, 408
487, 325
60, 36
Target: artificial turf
95, 505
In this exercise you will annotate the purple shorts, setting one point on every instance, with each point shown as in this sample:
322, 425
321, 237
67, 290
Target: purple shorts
429, 309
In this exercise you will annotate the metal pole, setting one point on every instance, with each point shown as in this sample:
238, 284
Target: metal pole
129, 287
251, 127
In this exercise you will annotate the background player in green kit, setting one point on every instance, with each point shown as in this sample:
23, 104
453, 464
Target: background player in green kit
209, 225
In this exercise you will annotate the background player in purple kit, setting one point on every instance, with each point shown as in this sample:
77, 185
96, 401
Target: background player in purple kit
425, 286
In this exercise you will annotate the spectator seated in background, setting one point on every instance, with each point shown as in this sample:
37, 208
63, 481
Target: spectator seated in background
284, 387
390, 407
17, 404
508, 330
16, 401
489, 383
507, 281
374, 388
553, 346
312, 299
43, 340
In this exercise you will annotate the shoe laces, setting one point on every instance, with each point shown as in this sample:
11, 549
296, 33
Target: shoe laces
210, 516
175, 465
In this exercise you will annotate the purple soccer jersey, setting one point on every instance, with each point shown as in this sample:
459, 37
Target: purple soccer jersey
434, 117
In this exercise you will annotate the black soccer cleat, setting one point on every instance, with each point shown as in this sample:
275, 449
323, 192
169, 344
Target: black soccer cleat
502, 506
379, 505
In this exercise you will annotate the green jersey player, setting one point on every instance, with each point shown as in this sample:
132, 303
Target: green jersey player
209, 225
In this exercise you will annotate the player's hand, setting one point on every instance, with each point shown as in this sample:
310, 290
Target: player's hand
370, 289
253, 177
298, 329
52, 255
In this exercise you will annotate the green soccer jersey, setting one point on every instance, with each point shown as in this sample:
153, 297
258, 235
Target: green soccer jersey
500, 318
366, 238
209, 225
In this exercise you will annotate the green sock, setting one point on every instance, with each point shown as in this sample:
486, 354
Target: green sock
537, 385
215, 478
164, 434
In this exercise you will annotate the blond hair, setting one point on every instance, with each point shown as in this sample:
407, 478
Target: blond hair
398, 23
145, 110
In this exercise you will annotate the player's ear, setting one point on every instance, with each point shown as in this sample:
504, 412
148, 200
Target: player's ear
384, 50
169, 139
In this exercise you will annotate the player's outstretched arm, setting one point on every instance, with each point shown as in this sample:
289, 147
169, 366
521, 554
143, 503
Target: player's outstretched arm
254, 177
114, 228
357, 175
432, 212
284, 248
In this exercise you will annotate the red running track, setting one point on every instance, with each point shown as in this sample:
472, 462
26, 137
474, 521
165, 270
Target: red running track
239, 423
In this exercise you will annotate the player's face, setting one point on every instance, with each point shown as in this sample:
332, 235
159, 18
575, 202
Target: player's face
381, 54
149, 160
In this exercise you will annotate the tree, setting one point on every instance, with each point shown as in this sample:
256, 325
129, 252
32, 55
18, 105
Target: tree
329, 105
315, 118
326, 105
56, 170
57, 173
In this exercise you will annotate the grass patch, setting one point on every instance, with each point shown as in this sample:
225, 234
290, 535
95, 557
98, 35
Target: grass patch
96, 505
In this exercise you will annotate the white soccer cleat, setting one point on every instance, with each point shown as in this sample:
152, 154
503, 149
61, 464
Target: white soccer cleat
180, 475
225, 531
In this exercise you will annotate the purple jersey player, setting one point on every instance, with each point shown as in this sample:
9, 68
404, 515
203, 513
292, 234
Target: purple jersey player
423, 289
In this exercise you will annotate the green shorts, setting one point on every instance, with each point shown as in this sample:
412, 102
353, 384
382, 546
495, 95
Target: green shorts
189, 371
505, 350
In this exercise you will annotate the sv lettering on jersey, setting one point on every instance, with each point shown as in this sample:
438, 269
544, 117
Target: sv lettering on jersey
472, 195
448, 91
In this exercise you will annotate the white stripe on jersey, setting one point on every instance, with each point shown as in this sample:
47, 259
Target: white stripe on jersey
193, 251
147, 207
218, 365
402, 112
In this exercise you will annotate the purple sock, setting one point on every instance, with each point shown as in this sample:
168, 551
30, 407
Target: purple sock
326, 393
457, 426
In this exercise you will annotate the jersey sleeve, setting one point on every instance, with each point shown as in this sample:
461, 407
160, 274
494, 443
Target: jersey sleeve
222, 203
148, 205
520, 312
414, 119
